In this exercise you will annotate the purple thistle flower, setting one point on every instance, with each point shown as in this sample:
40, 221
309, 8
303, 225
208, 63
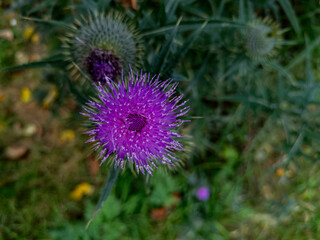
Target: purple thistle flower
203, 193
102, 63
134, 121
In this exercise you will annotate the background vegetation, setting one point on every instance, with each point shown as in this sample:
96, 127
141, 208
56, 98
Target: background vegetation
250, 69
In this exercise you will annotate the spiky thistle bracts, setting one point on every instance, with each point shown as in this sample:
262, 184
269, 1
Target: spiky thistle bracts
262, 38
135, 121
102, 46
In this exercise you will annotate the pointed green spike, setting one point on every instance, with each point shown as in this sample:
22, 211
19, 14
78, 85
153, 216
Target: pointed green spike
114, 172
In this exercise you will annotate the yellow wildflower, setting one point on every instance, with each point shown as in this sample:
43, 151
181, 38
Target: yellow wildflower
67, 136
35, 38
81, 190
25, 95
28, 32
280, 172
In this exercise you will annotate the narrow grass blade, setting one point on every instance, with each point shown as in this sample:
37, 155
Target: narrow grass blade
309, 73
288, 9
302, 55
242, 17
114, 172
296, 146
282, 70
170, 8
221, 7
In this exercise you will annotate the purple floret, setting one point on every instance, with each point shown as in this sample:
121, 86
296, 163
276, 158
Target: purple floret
203, 193
101, 64
135, 120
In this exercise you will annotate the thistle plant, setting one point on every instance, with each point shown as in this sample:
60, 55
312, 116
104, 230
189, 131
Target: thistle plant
262, 38
102, 46
134, 121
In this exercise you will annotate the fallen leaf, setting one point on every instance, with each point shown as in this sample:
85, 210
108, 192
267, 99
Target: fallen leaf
93, 165
16, 152
158, 214
129, 4
6, 34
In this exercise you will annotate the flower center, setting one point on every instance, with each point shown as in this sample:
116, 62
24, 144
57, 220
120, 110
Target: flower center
101, 64
136, 122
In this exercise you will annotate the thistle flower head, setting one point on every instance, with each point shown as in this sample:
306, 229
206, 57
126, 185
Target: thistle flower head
262, 37
102, 46
135, 120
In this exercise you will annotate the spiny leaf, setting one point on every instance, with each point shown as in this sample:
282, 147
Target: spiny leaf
82, 72
192, 25
199, 74
48, 4
114, 172
78, 94
247, 100
184, 49
53, 60
51, 22
159, 60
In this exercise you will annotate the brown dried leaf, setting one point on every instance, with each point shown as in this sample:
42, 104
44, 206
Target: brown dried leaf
16, 152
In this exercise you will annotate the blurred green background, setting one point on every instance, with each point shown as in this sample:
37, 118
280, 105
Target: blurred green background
251, 72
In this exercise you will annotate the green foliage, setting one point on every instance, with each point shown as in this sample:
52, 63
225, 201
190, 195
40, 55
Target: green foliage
250, 69
105, 225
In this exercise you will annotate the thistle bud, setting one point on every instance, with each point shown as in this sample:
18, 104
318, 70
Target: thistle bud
102, 46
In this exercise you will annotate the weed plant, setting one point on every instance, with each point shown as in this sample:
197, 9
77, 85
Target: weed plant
249, 69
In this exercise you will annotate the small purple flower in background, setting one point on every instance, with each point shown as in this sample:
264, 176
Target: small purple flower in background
134, 121
203, 193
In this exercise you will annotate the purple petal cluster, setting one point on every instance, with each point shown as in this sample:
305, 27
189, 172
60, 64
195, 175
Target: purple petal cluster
101, 64
134, 121
203, 193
